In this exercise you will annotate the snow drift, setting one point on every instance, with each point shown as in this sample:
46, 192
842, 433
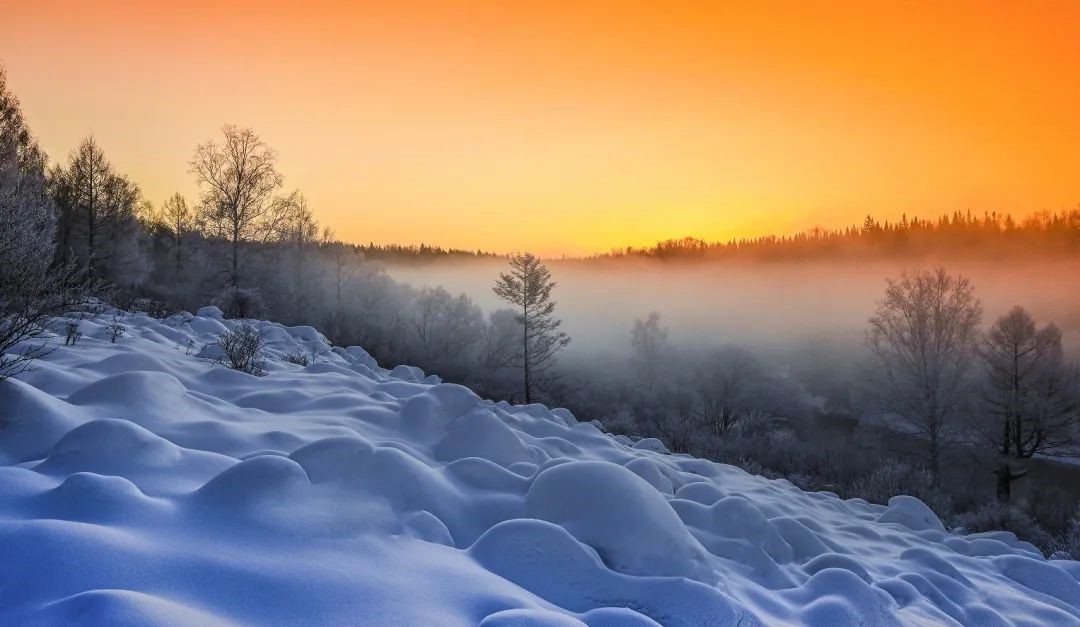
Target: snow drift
142, 485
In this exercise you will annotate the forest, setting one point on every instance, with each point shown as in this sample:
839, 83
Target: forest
972, 411
958, 235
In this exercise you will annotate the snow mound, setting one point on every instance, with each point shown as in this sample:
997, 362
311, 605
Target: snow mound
629, 524
912, 513
140, 484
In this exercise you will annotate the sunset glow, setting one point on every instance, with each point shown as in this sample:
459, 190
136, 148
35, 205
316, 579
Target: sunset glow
566, 128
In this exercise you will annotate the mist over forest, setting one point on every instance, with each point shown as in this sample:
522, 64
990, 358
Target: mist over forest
765, 304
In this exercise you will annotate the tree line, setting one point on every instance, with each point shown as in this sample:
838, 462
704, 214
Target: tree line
957, 235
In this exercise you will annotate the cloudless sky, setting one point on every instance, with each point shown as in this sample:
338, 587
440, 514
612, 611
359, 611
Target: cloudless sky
571, 127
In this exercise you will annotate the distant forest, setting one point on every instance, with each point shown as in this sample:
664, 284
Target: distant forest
956, 235
423, 252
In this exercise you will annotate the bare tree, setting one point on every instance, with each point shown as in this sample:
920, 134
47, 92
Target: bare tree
1030, 394
528, 287
299, 231
445, 325
729, 388
498, 341
238, 179
345, 258
649, 342
179, 219
923, 340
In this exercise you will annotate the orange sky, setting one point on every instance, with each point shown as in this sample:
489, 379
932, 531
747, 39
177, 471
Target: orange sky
575, 126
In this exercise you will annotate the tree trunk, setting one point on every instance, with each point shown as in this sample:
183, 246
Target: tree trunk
525, 351
1005, 478
236, 259
935, 462
91, 225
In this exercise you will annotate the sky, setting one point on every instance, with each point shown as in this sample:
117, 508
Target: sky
574, 127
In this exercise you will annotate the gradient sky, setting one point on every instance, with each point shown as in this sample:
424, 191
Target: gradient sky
571, 127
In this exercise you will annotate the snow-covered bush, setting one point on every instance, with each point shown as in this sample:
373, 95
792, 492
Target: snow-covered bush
997, 515
894, 477
241, 348
115, 329
155, 308
1070, 540
299, 358
71, 333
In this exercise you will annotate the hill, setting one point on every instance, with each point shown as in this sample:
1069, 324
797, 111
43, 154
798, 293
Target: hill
141, 484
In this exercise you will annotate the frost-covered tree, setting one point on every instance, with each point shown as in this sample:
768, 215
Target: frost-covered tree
30, 294
527, 286
179, 220
299, 232
238, 179
731, 384
649, 342
498, 342
923, 342
445, 326
1029, 392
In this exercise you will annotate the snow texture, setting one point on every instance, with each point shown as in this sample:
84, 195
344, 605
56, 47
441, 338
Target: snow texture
140, 484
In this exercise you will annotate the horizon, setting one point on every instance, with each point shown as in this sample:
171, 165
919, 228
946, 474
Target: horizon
528, 127
999, 221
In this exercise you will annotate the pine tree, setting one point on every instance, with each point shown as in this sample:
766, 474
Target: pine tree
528, 287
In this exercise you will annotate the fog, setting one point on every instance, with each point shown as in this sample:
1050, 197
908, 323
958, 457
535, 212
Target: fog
775, 309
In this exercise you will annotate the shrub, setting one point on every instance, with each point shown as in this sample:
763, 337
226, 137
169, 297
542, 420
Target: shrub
239, 302
242, 349
997, 516
72, 333
893, 477
1068, 547
115, 329
298, 358
155, 308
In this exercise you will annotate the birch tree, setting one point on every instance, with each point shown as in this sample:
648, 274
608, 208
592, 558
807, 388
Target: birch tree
923, 342
238, 180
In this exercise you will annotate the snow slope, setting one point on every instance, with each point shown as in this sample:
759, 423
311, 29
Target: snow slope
143, 485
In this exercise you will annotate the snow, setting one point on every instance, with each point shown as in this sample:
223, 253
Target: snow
140, 484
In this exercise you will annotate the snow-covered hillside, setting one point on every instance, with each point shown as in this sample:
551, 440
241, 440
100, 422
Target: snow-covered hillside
143, 485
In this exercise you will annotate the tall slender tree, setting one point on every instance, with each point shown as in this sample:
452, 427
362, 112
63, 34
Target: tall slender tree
649, 342
96, 207
179, 219
527, 286
300, 232
1029, 393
